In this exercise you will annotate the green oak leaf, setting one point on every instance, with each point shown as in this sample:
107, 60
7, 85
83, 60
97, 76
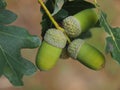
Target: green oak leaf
3, 4
113, 39
112, 48
57, 6
7, 17
61, 15
46, 24
76, 6
85, 35
12, 64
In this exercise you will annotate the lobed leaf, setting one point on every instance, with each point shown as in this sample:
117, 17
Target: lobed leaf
85, 35
76, 6
12, 64
113, 39
112, 47
7, 17
61, 15
57, 6
3, 4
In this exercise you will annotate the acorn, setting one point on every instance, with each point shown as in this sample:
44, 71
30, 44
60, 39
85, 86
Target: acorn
86, 54
50, 49
80, 22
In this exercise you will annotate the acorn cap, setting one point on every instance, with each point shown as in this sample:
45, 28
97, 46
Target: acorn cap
80, 22
74, 47
55, 37
72, 26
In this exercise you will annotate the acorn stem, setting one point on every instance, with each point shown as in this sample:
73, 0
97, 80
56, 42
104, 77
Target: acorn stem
53, 20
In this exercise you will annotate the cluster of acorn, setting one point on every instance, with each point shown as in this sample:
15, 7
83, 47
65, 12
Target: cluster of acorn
55, 40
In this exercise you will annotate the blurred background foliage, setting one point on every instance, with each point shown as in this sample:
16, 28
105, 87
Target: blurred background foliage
68, 74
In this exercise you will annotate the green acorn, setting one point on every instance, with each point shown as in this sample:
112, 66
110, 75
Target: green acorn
50, 50
86, 54
80, 22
